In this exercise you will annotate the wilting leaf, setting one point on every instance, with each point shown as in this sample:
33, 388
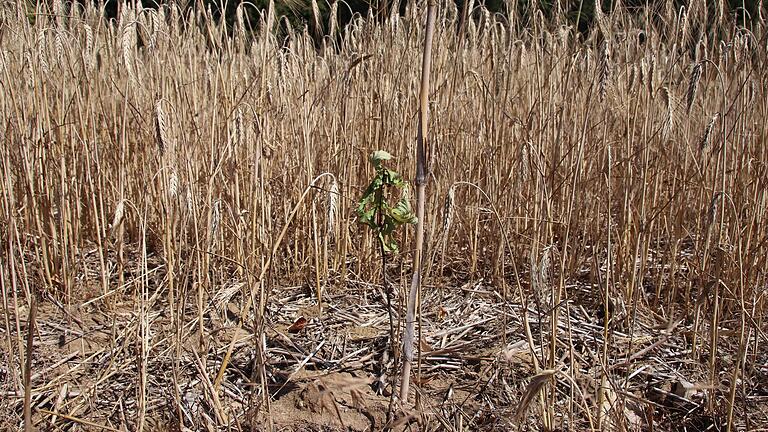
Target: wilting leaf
402, 212
298, 325
534, 387
380, 155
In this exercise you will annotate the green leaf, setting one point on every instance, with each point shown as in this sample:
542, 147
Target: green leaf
393, 178
373, 208
402, 212
390, 245
378, 156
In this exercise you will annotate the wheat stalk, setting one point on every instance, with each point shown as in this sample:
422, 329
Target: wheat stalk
333, 206
713, 208
215, 220
240, 20
173, 185
42, 48
270, 23
525, 162
600, 19
448, 211
333, 19
652, 75
128, 42
58, 13
683, 25
3, 61
157, 19
161, 132
58, 45
605, 70
633, 77
693, 85
705, 137
88, 53
189, 200
239, 139
668, 101
545, 264
117, 219
316, 16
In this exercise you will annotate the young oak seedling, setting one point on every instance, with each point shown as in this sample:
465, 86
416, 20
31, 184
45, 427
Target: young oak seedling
375, 211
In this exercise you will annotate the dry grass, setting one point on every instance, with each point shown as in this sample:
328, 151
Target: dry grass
160, 177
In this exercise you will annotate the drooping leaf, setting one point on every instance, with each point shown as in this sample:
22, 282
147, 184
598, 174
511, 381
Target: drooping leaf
402, 212
393, 178
378, 156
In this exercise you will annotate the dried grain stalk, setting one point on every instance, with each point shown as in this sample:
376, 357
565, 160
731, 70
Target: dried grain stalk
128, 45
533, 388
693, 85
117, 219
605, 71
215, 220
448, 211
707, 135
316, 16
161, 128
333, 207
714, 205
88, 54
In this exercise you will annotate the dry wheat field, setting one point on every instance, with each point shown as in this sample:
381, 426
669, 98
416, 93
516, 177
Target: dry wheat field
180, 248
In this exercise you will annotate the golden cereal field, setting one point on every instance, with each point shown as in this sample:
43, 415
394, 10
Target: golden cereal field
189, 242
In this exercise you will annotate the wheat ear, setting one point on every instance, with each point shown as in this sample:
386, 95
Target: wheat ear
117, 219
161, 132
605, 70
333, 206
707, 135
693, 85
448, 211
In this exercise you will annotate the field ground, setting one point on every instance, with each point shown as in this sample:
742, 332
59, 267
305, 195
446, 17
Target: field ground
178, 197
332, 373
